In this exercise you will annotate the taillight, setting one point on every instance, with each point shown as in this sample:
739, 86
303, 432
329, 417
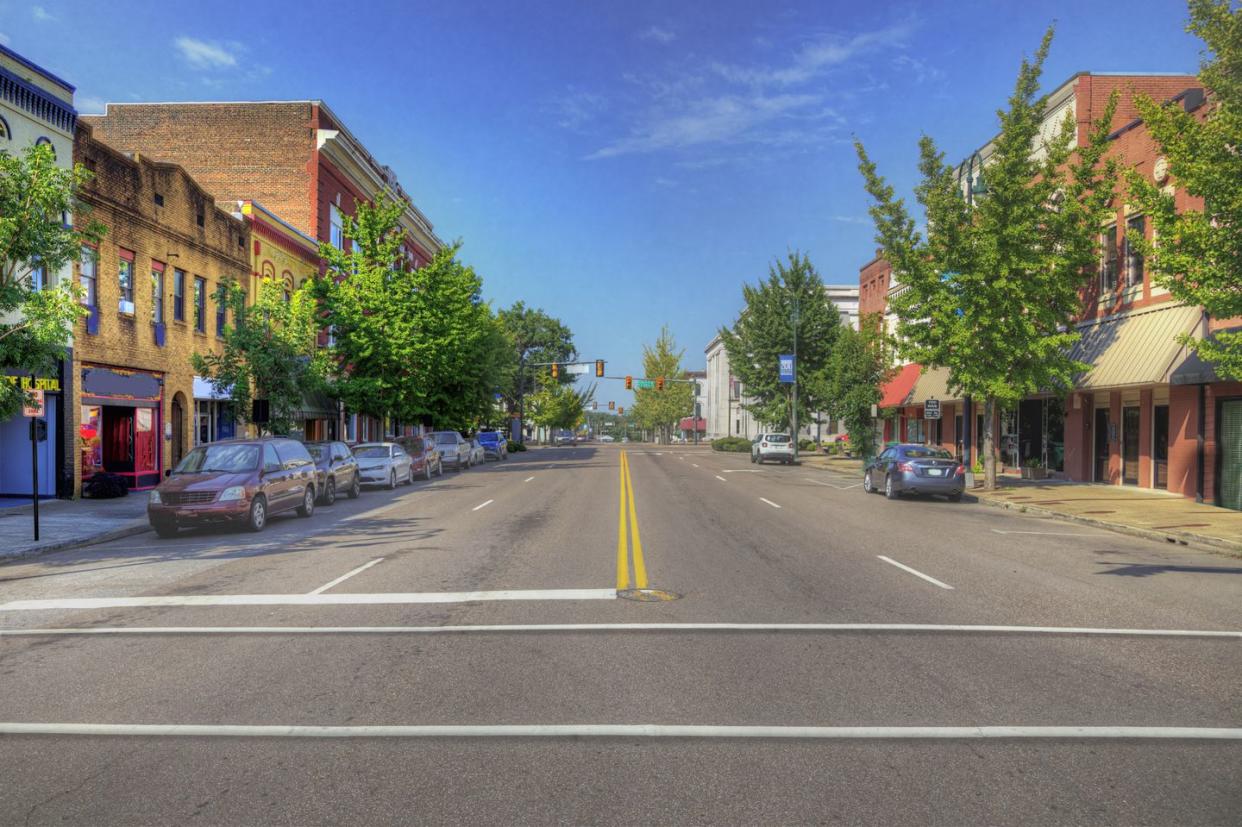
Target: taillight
961, 471
907, 467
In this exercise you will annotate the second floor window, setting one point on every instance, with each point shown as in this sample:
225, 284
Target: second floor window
179, 295
1108, 266
125, 282
221, 314
336, 233
89, 276
157, 292
1135, 228
200, 304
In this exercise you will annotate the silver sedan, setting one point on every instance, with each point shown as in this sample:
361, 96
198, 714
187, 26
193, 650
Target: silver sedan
383, 463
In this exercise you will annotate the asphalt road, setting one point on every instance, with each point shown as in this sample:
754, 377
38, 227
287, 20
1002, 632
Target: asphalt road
778, 647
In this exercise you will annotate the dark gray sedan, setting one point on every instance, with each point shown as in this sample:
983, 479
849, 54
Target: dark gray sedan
915, 469
336, 470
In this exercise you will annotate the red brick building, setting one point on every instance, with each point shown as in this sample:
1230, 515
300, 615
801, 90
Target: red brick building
296, 158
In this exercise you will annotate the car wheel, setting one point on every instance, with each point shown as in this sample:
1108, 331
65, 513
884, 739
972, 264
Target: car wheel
392, 479
889, 491
752, 459
329, 491
164, 529
307, 507
427, 470
356, 488
955, 498
409, 475
257, 518
868, 485
440, 468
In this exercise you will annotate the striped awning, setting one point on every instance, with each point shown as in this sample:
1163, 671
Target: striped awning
1137, 348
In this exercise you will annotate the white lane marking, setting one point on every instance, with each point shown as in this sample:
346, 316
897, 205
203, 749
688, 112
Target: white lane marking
482, 505
834, 485
346, 576
773, 628
1055, 533
903, 567
769, 502
528, 479
695, 464
745, 471
722, 479
305, 599
625, 731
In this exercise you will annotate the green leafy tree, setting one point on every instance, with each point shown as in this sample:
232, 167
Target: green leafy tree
660, 410
269, 353
35, 196
853, 378
535, 337
1198, 252
558, 406
992, 290
766, 329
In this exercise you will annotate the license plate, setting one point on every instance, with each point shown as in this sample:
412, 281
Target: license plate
935, 472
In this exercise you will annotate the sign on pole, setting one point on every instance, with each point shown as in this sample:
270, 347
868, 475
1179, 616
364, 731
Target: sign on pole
577, 370
931, 409
787, 368
644, 384
36, 409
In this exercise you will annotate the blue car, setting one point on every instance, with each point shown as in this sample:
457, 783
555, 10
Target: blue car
915, 469
495, 446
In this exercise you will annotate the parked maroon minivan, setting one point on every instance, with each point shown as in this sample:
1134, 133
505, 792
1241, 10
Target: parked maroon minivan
235, 480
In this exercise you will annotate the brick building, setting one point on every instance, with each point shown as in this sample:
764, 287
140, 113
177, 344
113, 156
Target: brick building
296, 158
150, 289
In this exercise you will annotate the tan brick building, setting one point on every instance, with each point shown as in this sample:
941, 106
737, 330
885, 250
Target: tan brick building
150, 288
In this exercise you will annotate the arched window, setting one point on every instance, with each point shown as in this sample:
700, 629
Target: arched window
46, 140
5, 134
287, 278
269, 270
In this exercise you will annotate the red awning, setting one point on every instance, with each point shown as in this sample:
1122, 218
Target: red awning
896, 392
688, 422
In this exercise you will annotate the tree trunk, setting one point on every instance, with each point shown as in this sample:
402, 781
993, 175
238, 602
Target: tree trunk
989, 453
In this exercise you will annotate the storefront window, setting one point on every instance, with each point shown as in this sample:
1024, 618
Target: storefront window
915, 432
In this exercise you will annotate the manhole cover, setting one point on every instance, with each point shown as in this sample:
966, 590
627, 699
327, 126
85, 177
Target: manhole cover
648, 595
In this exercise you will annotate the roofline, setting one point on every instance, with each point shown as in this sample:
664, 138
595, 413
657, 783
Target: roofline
30, 64
284, 224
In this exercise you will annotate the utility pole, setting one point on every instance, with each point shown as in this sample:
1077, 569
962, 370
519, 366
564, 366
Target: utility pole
796, 315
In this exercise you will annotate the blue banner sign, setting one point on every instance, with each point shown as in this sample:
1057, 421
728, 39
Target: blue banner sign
787, 368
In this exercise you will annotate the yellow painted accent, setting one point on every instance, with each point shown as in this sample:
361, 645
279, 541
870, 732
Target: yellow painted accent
640, 568
623, 568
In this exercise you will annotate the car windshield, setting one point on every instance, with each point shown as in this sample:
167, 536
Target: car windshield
318, 452
446, 439
927, 453
371, 452
777, 438
231, 459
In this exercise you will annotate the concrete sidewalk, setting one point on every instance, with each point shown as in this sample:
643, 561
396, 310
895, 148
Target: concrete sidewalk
70, 523
1137, 511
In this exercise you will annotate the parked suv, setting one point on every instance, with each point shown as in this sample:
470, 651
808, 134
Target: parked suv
454, 449
494, 445
338, 470
424, 458
776, 447
236, 480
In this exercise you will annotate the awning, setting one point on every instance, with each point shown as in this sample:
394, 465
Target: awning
317, 406
933, 383
1195, 371
1138, 348
203, 389
896, 392
688, 422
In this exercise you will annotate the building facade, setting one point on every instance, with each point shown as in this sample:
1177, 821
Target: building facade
725, 413
36, 107
150, 289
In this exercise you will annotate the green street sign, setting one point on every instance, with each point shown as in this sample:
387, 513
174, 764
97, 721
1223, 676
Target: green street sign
644, 384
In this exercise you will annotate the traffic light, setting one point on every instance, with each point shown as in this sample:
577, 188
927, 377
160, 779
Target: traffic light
556, 370
660, 383
612, 406
620, 410
599, 367
629, 383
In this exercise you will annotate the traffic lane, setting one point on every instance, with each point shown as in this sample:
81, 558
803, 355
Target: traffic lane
1079, 576
719, 678
627, 781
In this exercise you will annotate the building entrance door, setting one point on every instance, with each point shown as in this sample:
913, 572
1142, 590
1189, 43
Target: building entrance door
1130, 445
1160, 446
1229, 438
1101, 445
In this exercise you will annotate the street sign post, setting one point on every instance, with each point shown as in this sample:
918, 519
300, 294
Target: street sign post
644, 384
931, 409
33, 412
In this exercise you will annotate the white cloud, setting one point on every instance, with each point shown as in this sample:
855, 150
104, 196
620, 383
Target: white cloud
42, 15
850, 219
657, 35
921, 71
817, 56
202, 54
576, 108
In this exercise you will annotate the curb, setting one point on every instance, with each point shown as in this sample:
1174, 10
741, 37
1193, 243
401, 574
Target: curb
72, 542
1184, 538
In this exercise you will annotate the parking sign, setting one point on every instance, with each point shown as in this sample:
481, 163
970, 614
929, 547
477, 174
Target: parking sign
931, 409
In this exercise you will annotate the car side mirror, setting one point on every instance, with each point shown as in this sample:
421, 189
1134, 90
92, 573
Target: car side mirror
271, 468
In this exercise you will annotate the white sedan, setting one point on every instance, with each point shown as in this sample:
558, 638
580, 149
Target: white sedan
383, 463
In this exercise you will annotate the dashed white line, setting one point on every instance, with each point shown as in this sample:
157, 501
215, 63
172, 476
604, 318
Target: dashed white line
722, 479
915, 572
1054, 533
695, 464
528, 479
769, 502
625, 731
346, 576
482, 505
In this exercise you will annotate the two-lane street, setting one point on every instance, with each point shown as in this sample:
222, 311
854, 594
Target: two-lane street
629, 633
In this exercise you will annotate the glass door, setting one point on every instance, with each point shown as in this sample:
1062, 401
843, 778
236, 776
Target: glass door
1229, 438
1160, 446
1130, 445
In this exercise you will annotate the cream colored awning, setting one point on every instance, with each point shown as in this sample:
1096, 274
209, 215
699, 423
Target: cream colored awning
933, 384
1138, 348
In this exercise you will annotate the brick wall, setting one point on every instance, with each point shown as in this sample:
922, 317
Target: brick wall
261, 151
122, 197
873, 284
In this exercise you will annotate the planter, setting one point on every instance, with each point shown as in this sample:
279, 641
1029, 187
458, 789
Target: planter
1034, 473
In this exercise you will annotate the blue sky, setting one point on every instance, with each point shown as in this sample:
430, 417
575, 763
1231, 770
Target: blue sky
622, 165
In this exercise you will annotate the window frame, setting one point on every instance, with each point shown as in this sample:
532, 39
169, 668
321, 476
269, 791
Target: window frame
89, 282
1133, 257
1108, 258
200, 304
222, 311
157, 292
178, 295
336, 227
125, 281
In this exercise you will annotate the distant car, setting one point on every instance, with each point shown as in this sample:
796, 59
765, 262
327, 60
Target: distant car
915, 469
454, 450
772, 447
566, 439
338, 470
424, 458
495, 446
605, 438
384, 463
235, 480
477, 455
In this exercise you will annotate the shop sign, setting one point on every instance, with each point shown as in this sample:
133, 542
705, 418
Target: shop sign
35, 410
35, 383
931, 409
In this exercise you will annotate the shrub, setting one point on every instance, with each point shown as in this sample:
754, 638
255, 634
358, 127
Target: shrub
735, 444
515, 447
807, 445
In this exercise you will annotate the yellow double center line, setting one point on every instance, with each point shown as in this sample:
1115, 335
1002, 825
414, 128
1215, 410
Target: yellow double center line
627, 511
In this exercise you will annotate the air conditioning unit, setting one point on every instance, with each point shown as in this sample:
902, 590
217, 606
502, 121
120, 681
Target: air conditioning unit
127, 307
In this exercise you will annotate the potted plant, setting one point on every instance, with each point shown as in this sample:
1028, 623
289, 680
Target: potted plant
1033, 469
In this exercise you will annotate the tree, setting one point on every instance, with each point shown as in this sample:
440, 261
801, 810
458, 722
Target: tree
766, 329
535, 337
853, 378
269, 353
35, 243
1198, 253
992, 291
659, 410
558, 406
